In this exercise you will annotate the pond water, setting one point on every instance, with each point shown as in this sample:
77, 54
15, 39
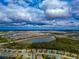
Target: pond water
41, 39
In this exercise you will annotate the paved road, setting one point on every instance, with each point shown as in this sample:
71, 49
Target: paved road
16, 41
13, 41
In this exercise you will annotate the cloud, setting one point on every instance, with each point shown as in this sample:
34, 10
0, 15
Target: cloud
67, 23
57, 13
75, 9
19, 13
56, 8
3, 17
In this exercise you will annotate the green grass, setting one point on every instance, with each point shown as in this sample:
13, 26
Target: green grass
65, 44
15, 45
2, 40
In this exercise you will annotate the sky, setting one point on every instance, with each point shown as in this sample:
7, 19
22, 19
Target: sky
39, 14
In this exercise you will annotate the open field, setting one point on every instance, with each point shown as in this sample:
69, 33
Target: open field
67, 41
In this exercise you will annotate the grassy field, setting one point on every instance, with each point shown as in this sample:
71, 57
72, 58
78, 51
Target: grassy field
66, 41
3, 40
65, 44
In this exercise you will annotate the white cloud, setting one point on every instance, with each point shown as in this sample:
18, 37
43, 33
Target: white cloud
57, 12
4, 18
53, 4
30, 14
75, 8
52, 8
65, 22
56, 8
17, 13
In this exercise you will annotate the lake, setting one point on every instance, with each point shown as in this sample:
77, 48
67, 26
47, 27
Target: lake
41, 39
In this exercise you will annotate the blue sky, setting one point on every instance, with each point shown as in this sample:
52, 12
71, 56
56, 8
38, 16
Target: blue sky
39, 14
